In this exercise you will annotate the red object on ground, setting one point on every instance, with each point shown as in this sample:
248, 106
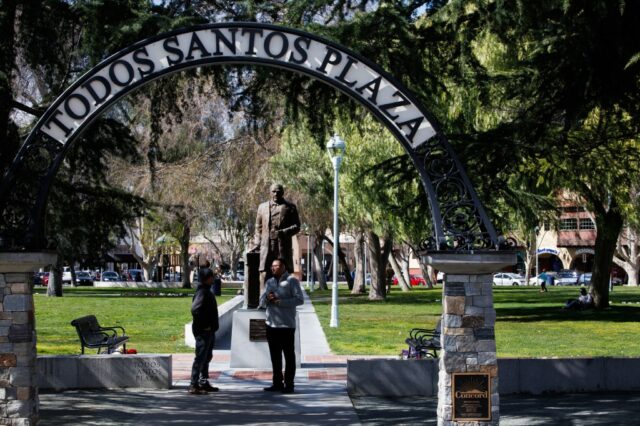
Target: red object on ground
131, 351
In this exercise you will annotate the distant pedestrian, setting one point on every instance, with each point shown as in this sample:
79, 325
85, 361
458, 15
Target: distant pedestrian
281, 295
543, 281
217, 282
204, 310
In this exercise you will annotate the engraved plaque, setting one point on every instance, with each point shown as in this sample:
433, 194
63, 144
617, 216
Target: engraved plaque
454, 289
257, 330
471, 396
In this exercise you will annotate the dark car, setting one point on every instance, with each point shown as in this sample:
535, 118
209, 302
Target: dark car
110, 276
37, 278
84, 278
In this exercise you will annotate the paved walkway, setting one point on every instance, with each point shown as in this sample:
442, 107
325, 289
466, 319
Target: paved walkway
320, 398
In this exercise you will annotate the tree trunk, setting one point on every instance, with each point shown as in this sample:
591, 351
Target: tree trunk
72, 270
184, 255
318, 271
628, 256
379, 255
54, 288
429, 274
609, 226
7, 61
632, 274
361, 279
402, 282
342, 259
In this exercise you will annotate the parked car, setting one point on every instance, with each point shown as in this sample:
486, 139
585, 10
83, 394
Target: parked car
173, 276
110, 276
414, 279
566, 278
66, 274
83, 278
38, 278
508, 278
584, 279
132, 273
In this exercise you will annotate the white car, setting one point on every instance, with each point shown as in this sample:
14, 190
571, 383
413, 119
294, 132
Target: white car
508, 278
66, 274
566, 278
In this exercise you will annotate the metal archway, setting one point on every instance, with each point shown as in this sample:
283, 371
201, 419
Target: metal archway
459, 219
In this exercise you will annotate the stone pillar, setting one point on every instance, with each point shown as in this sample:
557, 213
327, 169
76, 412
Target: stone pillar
18, 391
468, 339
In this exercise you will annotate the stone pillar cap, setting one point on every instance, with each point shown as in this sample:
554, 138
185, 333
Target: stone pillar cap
15, 262
470, 262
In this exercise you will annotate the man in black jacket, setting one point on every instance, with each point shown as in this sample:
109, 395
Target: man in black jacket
204, 310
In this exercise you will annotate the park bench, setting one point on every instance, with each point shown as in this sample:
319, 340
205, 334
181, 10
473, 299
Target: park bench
424, 343
93, 336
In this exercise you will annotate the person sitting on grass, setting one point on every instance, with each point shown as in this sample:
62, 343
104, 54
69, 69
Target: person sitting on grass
584, 301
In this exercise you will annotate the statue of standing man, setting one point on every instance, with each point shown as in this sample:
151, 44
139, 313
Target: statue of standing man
277, 222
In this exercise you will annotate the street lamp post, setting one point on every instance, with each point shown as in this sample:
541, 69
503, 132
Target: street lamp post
336, 147
305, 228
536, 230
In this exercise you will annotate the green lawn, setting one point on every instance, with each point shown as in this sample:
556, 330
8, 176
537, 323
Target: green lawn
154, 318
529, 323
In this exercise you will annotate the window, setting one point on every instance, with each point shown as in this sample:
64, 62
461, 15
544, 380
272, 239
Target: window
547, 225
569, 224
587, 223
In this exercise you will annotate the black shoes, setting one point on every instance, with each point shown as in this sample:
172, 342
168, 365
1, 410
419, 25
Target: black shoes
274, 388
203, 389
197, 390
281, 389
207, 387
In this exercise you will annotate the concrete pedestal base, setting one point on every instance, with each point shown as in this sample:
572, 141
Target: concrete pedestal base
253, 354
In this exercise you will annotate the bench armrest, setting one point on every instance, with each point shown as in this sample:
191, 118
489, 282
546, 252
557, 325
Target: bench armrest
113, 328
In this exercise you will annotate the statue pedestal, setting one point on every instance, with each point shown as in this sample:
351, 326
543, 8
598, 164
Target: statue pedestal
249, 348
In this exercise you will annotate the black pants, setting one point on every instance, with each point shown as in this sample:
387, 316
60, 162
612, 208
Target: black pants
204, 354
281, 340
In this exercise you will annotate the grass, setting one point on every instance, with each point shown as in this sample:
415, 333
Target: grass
154, 318
529, 323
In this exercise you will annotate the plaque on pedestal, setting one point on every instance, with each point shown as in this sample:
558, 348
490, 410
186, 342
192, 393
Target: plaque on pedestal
252, 281
471, 396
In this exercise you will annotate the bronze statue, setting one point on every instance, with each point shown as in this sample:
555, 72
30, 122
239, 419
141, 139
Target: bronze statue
277, 222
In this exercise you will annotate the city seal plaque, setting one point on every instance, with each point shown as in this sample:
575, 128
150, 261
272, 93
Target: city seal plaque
257, 330
471, 396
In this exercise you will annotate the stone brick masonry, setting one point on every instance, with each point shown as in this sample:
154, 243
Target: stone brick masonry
468, 340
